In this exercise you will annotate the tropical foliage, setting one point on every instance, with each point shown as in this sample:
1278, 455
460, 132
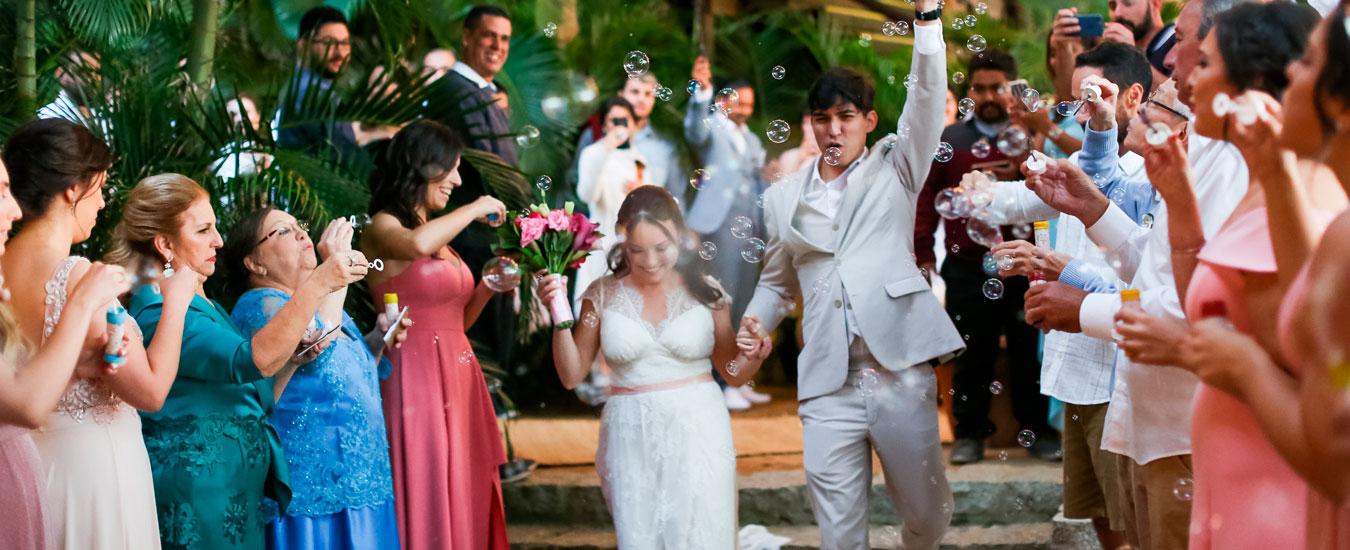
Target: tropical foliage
166, 70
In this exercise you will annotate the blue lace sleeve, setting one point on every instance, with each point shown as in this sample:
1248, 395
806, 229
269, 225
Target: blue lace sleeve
256, 307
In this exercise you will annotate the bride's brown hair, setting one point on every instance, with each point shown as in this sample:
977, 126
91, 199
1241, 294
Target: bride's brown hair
655, 205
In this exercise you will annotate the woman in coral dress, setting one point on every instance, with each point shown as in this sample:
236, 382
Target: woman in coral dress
443, 439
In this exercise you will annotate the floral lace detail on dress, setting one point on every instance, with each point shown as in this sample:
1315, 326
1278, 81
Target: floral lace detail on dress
193, 443
612, 294
178, 526
85, 397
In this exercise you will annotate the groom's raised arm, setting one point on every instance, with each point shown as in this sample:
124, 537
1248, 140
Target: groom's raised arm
778, 285
925, 106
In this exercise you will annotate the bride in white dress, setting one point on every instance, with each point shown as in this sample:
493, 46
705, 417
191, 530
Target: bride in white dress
666, 459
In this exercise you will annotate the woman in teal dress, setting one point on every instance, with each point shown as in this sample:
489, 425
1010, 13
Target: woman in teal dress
214, 457
330, 416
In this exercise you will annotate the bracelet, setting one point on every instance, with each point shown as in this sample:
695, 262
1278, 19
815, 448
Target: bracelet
934, 15
1188, 251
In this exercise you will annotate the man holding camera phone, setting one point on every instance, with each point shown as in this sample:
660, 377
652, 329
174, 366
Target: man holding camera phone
1137, 22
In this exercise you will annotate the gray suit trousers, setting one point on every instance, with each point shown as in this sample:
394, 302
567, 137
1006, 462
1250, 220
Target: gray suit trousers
898, 419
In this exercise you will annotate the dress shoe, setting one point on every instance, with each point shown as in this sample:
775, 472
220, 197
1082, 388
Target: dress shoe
967, 451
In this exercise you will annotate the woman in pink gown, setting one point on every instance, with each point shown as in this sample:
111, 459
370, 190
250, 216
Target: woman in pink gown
31, 386
443, 439
1238, 474
1285, 410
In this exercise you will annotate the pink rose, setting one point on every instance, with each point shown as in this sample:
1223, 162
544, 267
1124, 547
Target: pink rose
559, 221
531, 229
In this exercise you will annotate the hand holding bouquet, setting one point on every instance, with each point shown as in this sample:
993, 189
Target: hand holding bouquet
552, 241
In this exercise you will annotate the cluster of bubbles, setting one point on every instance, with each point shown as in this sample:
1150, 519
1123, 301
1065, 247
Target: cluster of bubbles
895, 28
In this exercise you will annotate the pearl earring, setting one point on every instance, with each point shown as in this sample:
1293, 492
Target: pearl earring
168, 270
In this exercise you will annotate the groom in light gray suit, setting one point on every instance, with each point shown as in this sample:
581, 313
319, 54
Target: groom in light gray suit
841, 233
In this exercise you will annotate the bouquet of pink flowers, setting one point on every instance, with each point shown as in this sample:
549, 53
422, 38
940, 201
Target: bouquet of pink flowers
552, 241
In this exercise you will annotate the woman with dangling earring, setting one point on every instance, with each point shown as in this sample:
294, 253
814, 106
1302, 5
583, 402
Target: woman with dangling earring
98, 482
218, 463
31, 384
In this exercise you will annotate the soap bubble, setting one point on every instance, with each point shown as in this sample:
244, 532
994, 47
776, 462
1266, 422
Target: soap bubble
1006, 263
944, 152
1021, 231
1026, 438
733, 368
833, 156
868, 382
821, 286
466, 357
996, 388
550, 29
958, 78
663, 93
976, 43
971, 20
902, 130
983, 228
1184, 488
1032, 99
889, 29
864, 40
728, 100
911, 80
590, 319
1012, 141
901, 28
528, 136
742, 227
1068, 108
544, 183
692, 87
778, 131
707, 250
964, 107
982, 8
753, 250
981, 149
501, 274
990, 265
636, 64
890, 140
698, 178
778, 72
944, 203
993, 290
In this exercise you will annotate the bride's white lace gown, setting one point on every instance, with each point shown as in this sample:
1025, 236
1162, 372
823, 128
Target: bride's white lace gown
666, 459
100, 494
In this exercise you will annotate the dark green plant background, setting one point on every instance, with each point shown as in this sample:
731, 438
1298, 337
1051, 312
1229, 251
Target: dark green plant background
161, 123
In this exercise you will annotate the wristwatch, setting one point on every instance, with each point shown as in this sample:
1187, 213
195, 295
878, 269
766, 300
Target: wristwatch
934, 15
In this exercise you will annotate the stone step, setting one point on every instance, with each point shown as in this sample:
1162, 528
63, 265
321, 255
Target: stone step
1025, 536
994, 492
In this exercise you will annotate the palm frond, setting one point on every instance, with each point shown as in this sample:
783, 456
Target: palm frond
117, 23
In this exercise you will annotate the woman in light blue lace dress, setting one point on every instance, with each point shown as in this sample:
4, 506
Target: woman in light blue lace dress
329, 418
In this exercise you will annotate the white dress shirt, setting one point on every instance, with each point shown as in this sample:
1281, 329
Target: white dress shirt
1075, 368
1150, 412
467, 72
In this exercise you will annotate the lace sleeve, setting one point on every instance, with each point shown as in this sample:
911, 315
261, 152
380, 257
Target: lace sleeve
256, 307
597, 292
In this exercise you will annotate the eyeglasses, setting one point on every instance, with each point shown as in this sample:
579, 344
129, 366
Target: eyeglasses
285, 230
332, 43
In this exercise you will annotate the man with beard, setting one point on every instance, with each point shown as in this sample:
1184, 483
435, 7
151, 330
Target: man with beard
979, 319
325, 46
1140, 22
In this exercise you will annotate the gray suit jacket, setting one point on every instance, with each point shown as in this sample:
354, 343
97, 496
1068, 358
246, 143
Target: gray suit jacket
897, 315
732, 176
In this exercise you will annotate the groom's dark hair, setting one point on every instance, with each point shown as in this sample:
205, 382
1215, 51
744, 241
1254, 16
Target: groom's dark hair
841, 85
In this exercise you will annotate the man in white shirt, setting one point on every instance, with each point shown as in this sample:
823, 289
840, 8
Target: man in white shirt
840, 234
1149, 419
